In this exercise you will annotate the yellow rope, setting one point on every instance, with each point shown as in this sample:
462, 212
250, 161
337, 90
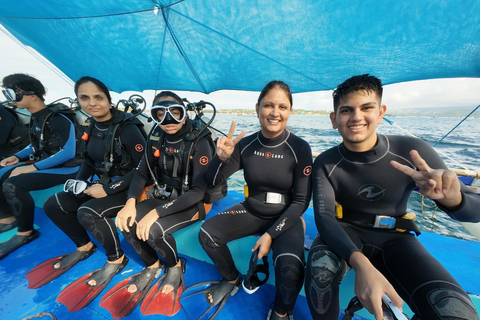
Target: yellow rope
41, 314
433, 214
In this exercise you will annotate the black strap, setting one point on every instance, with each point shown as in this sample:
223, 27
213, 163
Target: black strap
368, 220
262, 196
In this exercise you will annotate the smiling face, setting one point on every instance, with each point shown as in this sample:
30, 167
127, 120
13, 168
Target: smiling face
356, 119
273, 112
94, 101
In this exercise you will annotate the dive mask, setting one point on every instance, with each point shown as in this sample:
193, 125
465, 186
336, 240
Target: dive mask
168, 112
252, 281
15, 95
75, 186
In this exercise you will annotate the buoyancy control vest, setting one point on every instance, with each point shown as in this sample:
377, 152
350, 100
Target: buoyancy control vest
18, 137
48, 143
194, 131
113, 147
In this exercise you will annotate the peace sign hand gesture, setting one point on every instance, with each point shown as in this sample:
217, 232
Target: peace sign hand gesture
437, 184
226, 145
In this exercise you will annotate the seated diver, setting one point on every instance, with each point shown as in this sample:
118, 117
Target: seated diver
276, 166
53, 156
80, 209
374, 235
171, 205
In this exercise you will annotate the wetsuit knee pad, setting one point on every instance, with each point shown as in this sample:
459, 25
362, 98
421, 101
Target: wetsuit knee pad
9, 190
206, 240
289, 272
446, 303
87, 217
325, 271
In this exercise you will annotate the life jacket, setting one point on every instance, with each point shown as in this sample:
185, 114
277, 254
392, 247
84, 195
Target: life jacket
49, 144
113, 147
195, 130
18, 138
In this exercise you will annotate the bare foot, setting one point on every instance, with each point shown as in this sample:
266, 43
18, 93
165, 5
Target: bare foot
7, 220
93, 283
83, 248
133, 288
210, 297
166, 288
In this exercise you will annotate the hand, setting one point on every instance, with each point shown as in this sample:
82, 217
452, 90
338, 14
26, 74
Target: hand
22, 169
10, 161
143, 227
264, 243
437, 184
371, 285
95, 191
226, 145
126, 217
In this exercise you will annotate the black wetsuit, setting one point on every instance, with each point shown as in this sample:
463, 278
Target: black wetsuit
174, 214
365, 183
75, 215
281, 165
11, 140
55, 166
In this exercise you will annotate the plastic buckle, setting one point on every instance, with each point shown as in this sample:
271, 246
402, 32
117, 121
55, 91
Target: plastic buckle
272, 197
384, 222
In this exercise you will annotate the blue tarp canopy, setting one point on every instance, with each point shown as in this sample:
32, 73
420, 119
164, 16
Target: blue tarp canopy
207, 45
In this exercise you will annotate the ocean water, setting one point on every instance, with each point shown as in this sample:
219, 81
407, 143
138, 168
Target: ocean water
460, 149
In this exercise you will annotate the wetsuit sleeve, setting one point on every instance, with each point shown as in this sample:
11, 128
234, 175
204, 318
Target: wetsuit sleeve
467, 211
139, 179
133, 142
85, 171
301, 193
65, 131
24, 153
219, 171
201, 158
325, 218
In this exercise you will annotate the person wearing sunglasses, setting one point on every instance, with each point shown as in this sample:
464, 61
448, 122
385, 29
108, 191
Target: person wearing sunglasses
174, 155
57, 162
88, 203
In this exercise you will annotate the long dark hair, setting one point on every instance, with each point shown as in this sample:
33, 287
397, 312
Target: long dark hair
97, 82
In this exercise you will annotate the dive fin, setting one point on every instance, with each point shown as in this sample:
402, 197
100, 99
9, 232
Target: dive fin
156, 302
120, 302
79, 293
220, 292
53, 268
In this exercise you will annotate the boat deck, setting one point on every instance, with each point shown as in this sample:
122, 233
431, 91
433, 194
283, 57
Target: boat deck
18, 302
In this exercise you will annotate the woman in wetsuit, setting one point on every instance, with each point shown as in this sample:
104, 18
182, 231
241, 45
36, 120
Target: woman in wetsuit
53, 155
277, 166
77, 211
149, 225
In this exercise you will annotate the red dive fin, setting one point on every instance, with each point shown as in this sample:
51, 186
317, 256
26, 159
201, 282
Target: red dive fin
79, 293
156, 302
119, 302
53, 268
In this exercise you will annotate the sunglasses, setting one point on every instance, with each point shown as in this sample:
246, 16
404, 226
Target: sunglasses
172, 114
16, 95
75, 186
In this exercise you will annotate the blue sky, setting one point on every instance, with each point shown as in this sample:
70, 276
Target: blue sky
425, 93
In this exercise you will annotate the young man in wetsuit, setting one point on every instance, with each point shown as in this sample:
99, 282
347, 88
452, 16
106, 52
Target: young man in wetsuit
53, 164
372, 176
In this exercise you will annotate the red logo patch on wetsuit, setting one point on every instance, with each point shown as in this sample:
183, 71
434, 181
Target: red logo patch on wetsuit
139, 147
203, 160
307, 171
268, 155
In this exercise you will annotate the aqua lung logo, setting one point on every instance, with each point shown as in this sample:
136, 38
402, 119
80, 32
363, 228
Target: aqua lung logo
371, 192
268, 155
